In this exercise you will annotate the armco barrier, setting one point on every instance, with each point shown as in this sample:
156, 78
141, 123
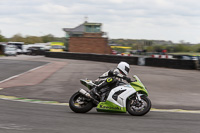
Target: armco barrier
93, 57
37, 52
172, 63
167, 63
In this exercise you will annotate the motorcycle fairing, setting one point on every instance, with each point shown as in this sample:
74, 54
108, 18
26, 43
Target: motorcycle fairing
88, 83
118, 104
138, 86
108, 106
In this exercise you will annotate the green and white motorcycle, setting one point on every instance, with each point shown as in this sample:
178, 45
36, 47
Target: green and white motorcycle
131, 97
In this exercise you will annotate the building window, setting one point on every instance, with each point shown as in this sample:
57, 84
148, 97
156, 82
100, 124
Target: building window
92, 28
67, 35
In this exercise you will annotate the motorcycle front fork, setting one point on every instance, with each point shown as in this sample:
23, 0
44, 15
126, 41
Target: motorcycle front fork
136, 100
138, 97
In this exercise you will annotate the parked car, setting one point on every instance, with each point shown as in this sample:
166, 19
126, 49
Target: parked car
57, 48
36, 51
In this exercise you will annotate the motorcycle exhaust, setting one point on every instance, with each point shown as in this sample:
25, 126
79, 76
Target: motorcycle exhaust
85, 93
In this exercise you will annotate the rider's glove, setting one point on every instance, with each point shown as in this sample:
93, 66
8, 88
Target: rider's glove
127, 79
111, 73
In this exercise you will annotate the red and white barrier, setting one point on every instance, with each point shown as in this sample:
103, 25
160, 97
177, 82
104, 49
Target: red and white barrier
124, 54
162, 56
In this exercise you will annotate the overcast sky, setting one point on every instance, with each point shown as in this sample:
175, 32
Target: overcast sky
173, 20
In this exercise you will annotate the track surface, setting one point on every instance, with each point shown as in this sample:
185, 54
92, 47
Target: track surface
9, 68
169, 87
19, 117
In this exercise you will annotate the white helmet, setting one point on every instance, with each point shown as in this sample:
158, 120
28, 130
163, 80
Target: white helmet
124, 68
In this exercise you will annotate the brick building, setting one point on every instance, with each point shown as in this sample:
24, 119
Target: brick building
87, 38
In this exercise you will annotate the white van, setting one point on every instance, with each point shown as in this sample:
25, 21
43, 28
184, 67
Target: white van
10, 50
18, 45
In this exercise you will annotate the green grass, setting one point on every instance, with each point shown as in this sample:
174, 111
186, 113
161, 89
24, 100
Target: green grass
186, 53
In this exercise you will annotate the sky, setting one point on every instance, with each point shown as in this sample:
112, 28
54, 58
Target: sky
170, 20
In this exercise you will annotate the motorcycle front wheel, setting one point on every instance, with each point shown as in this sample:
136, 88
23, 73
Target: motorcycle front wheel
79, 103
138, 108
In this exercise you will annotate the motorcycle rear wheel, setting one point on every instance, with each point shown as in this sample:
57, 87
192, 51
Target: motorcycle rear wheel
78, 104
139, 109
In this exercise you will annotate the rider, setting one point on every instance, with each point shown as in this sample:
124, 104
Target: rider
110, 78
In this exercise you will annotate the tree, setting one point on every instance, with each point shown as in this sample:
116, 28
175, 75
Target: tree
48, 38
120, 50
158, 48
32, 39
2, 38
17, 38
196, 48
150, 49
182, 48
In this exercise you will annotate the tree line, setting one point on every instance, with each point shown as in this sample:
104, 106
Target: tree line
32, 39
174, 48
156, 45
147, 45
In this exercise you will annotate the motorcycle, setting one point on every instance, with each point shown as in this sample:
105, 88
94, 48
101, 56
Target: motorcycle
126, 97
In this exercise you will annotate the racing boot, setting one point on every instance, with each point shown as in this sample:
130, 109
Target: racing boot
94, 93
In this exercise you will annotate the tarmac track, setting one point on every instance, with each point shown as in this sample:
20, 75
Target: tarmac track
168, 88
13, 67
22, 117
